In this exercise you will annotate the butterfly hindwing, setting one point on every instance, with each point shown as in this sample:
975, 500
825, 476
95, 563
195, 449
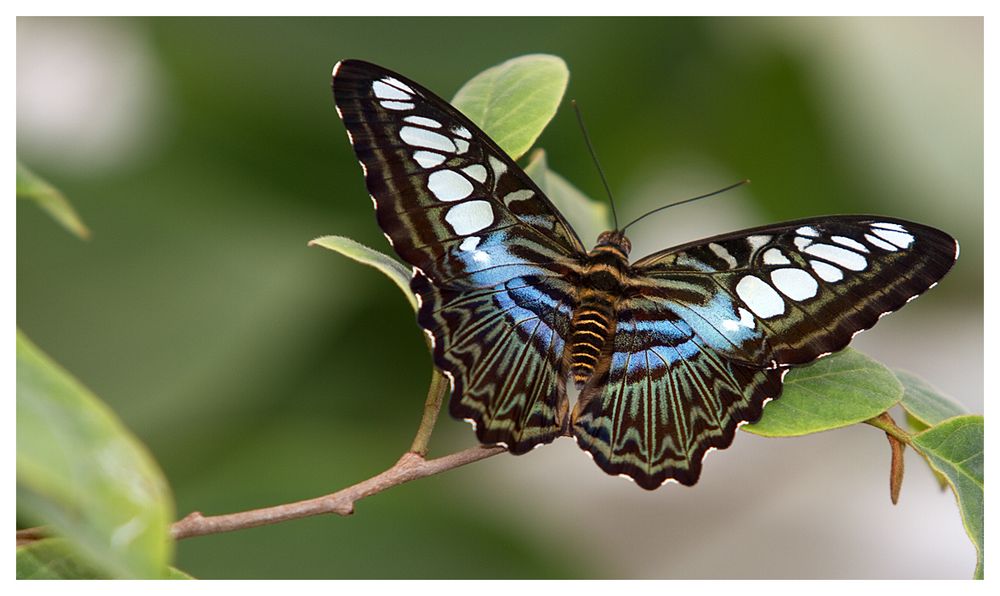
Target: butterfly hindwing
664, 399
490, 252
717, 323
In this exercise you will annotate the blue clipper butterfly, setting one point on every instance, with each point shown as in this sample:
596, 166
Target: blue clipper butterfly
671, 353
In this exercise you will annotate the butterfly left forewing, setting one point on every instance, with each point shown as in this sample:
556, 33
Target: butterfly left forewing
492, 256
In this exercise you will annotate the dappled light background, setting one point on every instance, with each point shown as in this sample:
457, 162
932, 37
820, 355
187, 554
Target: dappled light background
205, 153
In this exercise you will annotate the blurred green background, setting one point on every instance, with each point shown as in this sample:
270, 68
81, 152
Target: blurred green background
205, 153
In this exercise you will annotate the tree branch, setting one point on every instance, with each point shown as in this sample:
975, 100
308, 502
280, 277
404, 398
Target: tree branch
409, 467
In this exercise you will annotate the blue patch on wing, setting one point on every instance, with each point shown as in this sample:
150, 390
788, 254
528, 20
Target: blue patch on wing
523, 300
719, 323
487, 260
671, 341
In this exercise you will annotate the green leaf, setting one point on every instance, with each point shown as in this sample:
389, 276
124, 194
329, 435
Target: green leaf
930, 406
30, 186
923, 402
840, 390
514, 101
588, 217
915, 424
81, 472
53, 558
955, 449
392, 268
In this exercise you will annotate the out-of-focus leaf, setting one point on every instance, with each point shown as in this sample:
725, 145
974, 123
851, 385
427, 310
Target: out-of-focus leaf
81, 472
514, 101
923, 402
53, 558
588, 217
389, 266
915, 424
955, 449
836, 391
30, 186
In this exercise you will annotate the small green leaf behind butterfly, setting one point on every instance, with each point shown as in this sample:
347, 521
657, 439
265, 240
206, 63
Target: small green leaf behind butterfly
924, 403
514, 101
389, 266
588, 217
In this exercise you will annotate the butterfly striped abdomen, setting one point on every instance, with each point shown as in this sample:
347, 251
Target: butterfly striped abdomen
602, 285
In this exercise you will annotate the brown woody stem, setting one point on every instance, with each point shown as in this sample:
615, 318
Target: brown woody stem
409, 467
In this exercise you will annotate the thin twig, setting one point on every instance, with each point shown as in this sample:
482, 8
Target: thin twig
409, 467
435, 396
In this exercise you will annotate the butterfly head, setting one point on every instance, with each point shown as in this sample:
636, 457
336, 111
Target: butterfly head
614, 240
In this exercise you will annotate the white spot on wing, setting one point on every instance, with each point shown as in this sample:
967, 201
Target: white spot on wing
421, 137
481, 257
795, 283
876, 241
448, 185
397, 105
756, 242
476, 171
807, 231
850, 243
469, 217
900, 239
826, 271
889, 226
774, 256
428, 159
462, 145
384, 91
746, 320
462, 132
397, 83
499, 167
760, 297
421, 121
470, 243
721, 252
517, 195
840, 256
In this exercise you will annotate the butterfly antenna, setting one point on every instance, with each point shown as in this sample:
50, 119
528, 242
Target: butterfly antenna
705, 196
593, 154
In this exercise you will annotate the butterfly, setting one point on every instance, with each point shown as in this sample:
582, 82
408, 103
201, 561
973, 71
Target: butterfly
670, 353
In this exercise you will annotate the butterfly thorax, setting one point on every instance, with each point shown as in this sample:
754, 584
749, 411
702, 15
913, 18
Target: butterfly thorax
603, 282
